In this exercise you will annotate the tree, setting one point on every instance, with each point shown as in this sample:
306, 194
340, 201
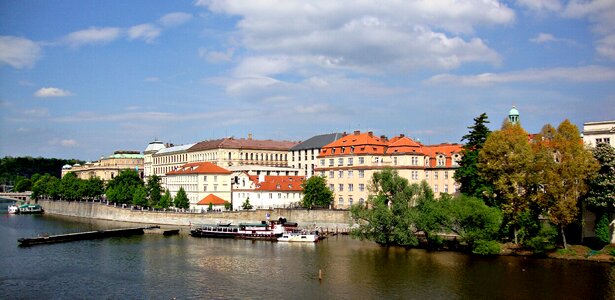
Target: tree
600, 197
181, 199
472, 220
388, 219
467, 174
70, 186
246, 204
139, 197
506, 162
565, 166
166, 200
154, 191
92, 188
316, 193
22, 184
121, 188
228, 205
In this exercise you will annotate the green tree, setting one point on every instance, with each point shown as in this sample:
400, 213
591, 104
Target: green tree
121, 188
472, 220
181, 199
70, 187
506, 162
316, 193
388, 218
601, 194
467, 174
46, 186
154, 191
564, 167
22, 184
228, 205
246, 204
92, 188
139, 197
166, 200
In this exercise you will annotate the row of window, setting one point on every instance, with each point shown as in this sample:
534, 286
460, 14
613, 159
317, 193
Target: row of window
340, 201
603, 140
279, 195
340, 174
168, 159
340, 187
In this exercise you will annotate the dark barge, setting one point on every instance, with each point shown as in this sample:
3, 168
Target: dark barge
79, 236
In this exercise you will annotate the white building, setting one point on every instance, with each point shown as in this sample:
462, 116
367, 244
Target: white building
304, 155
203, 182
599, 132
267, 191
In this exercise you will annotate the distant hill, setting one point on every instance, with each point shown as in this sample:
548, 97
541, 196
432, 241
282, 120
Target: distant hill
11, 167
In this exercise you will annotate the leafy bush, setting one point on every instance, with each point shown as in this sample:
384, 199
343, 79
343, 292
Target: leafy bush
602, 228
544, 241
482, 247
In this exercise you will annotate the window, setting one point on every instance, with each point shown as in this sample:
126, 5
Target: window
446, 188
350, 201
361, 173
205, 188
341, 187
415, 175
215, 178
435, 188
415, 161
215, 187
395, 160
205, 178
350, 173
350, 187
270, 195
441, 161
340, 201
331, 174
340, 161
445, 174
361, 201
322, 162
322, 173
435, 175
341, 174
350, 161
330, 162
361, 160
426, 174
331, 187
361, 187
279, 195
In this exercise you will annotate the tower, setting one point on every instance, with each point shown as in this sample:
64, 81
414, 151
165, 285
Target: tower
513, 115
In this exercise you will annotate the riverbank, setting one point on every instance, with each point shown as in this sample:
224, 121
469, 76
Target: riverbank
327, 220
574, 252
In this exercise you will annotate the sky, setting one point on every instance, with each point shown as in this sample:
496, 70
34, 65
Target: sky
81, 79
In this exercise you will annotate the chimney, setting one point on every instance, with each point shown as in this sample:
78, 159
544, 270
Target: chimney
261, 178
383, 138
357, 132
249, 136
370, 133
401, 135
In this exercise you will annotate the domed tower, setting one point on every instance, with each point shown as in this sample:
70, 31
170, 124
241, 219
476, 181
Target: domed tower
513, 115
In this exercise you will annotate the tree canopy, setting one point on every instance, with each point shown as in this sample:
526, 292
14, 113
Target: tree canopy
316, 193
181, 199
467, 173
122, 187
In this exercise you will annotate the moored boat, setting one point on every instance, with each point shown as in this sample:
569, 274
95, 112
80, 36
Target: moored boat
26, 209
298, 237
258, 231
13, 209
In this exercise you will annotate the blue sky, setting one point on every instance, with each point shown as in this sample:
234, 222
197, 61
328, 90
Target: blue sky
80, 79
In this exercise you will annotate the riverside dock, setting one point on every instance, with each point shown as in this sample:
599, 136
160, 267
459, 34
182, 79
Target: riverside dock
79, 236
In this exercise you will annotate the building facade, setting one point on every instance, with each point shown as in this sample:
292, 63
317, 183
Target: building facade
202, 181
106, 168
304, 156
265, 192
350, 162
599, 132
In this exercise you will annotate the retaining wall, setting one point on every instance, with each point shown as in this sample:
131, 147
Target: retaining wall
332, 220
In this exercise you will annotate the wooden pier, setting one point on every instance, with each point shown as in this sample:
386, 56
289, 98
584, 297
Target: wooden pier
79, 236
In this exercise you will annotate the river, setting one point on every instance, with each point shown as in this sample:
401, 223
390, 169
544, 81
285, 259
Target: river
152, 266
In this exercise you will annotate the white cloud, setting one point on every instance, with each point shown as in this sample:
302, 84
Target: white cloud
600, 13
36, 112
366, 36
542, 38
175, 19
606, 46
51, 92
216, 56
145, 32
580, 74
541, 5
92, 35
18, 52
69, 143
151, 79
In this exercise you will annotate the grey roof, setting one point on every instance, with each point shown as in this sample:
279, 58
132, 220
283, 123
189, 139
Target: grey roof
318, 141
181, 148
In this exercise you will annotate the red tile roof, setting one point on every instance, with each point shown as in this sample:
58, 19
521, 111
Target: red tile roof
199, 168
356, 143
233, 143
279, 183
446, 149
213, 199
404, 144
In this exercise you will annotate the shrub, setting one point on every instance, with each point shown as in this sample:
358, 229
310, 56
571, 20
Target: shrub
602, 228
544, 241
482, 247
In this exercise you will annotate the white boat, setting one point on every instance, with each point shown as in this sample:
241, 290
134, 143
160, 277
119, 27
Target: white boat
26, 209
298, 237
13, 209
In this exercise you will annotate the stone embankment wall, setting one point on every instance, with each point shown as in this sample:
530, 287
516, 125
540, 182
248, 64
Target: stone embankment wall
331, 220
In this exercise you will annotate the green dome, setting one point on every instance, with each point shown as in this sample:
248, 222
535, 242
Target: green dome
513, 112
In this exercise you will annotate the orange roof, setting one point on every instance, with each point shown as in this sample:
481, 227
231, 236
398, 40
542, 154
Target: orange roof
199, 168
446, 149
402, 144
213, 199
279, 183
356, 143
